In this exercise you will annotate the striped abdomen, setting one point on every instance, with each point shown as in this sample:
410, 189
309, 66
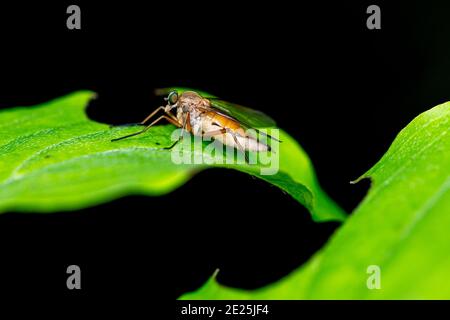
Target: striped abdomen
227, 130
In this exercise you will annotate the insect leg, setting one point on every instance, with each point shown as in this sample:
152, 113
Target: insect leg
154, 112
215, 132
183, 128
224, 130
149, 126
139, 123
239, 146
147, 118
267, 135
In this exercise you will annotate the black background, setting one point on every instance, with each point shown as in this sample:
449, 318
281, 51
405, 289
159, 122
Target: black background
340, 89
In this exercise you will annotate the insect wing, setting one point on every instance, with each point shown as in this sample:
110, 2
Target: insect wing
247, 116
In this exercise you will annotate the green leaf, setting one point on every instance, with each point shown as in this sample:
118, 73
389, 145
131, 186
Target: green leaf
402, 226
53, 158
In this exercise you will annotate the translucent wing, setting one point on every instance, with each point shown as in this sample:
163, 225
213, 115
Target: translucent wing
248, 117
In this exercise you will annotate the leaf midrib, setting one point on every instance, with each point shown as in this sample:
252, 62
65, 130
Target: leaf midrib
418, 218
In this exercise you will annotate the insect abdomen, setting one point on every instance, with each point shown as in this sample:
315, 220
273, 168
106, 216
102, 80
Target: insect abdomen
234, 132
223, 121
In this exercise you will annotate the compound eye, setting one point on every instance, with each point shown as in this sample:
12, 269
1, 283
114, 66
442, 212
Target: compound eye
172, 98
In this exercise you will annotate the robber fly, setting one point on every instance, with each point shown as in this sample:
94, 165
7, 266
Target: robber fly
209, 116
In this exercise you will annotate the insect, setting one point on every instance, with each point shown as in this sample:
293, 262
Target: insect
211, 117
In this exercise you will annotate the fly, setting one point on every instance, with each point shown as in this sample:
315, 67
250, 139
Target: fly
211, 117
